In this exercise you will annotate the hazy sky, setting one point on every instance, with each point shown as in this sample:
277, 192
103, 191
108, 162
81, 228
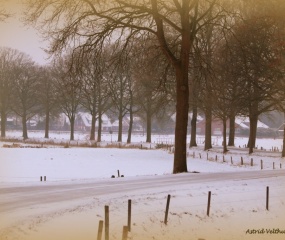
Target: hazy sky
14, 34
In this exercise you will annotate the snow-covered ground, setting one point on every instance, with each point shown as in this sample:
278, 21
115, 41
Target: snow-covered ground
137, 138
238, 206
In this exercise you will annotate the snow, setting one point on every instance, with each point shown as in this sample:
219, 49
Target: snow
244, 122
87, 119
238, 206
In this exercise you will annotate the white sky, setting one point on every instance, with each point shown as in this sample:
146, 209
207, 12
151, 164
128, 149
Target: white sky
15, 35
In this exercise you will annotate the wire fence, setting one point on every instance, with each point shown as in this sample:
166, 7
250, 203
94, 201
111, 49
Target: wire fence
248, 200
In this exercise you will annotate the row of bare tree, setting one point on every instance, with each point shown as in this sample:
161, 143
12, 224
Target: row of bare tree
107, 82
239, 71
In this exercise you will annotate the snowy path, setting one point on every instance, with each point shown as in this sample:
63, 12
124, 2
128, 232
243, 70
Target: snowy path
15, 197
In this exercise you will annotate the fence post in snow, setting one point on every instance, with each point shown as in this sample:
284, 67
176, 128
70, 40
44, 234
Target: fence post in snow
232, 160
267, 198
251, 162
41, 178
107, 222
261, 164
118, 173
45, 178
273, 165
129, 214
125, 233
100, 230
200, 155
167, 209
209, 203
216, 158
280, 165
241, 160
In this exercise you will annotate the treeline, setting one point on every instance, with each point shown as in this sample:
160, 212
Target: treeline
107, 82
220, 58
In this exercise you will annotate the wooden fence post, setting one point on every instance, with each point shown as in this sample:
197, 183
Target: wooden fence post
261, 164
125, 233
129, 214
251, 162
118, 173
267, 198
100, 230
107, 222
209, 203
167, 209
232, 160
241, 160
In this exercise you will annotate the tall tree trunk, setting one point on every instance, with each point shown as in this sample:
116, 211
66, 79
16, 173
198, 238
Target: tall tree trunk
3, 124
208, 129
193, 100
131, 121
193, 142
24, 124
182, 83
182, 108
120, 130
99, 134
208, 115
93, 127
283, 149
225, 135
99, 126
148, 128
232, 130
148, 121
130, 127
72, 120
252, 133
47, 124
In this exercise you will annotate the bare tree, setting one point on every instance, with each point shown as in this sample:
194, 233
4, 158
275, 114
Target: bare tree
68, 89
173, 23
120, 85
204, 48
258, 57
47, 95
150, 89
228, 91
8, 59
94, 89
196, 72
25, 90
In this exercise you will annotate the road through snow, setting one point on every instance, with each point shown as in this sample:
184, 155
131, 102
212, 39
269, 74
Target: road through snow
16, 197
